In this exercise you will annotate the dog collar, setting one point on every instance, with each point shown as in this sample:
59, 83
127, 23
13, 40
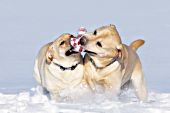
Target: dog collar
66, 68
92, 61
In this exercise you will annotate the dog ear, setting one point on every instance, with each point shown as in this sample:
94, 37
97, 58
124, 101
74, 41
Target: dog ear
121, 53
120, 46
49, 54
120, 50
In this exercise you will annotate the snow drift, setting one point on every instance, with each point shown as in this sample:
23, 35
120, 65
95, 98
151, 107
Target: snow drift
34, 102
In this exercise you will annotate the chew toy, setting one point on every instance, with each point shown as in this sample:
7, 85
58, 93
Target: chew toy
75, 41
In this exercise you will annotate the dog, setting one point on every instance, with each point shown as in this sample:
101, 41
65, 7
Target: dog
111, 64
59, 69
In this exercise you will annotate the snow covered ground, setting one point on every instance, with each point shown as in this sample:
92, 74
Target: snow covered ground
34, 102
27, 25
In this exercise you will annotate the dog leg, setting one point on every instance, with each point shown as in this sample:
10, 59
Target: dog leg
88, 76
91, 83
112, 85
138, 82
127, 85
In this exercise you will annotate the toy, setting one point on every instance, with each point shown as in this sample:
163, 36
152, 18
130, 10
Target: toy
75, 41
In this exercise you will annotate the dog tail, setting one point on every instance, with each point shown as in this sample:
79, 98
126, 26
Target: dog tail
136, 44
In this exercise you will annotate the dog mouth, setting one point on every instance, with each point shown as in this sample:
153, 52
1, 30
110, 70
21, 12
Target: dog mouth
90, 52
70, 52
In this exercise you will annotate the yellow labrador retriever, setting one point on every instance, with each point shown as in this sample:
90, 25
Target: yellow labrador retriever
111, 64
59, 69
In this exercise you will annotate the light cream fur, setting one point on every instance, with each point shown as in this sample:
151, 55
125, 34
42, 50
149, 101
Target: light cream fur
51, 76
127, 66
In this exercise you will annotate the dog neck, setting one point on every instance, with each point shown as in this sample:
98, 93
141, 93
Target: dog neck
97, 67
66, 68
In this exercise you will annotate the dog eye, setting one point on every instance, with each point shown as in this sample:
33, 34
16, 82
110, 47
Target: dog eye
62, 43
95, 32
99, 44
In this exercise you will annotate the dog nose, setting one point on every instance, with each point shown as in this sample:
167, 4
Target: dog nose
83, 40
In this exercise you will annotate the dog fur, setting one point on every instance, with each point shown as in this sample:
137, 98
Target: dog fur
49, 73
111, 64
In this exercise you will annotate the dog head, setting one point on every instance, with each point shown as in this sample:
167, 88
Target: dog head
104, 42
61, 50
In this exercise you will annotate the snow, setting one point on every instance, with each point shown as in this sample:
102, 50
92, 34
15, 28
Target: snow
33, 101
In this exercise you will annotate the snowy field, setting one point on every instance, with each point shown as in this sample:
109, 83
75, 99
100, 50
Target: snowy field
27, 25
34, 102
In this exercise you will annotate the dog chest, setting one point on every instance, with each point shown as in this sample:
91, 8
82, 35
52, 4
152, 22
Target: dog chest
113, 69
64, 78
